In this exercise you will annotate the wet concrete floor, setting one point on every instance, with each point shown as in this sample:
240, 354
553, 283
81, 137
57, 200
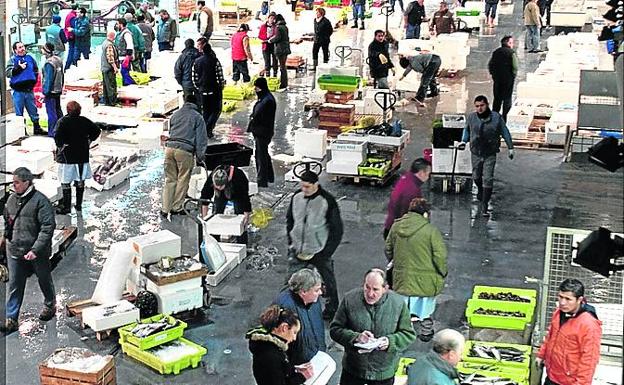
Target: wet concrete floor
531, 192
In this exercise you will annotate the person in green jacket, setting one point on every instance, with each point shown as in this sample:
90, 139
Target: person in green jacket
371, 314
438, 366
418, 255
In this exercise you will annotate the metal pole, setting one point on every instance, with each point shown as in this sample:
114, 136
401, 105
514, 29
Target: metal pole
3, 89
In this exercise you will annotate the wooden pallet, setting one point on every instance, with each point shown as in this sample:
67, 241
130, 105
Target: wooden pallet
75, 308
370, 180
534, 141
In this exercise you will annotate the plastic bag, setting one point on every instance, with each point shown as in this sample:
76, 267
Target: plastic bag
112, 281
211, 252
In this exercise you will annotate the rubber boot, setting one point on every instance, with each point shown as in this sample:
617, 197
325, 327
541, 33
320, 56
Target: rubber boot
315, 64
355, 23
487, 194
64, 206
79, 196
37, 129
479, 184
362, 25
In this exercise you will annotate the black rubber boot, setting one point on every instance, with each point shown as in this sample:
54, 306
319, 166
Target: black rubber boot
362, 25
64, 206
79, 196
479, 185
355, 24
487, 194
37, 130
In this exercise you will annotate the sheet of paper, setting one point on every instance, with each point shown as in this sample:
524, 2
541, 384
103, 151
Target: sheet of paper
324, 367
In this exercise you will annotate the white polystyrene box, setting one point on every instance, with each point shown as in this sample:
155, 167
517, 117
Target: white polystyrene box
36, 161
222, 224
342, 167
359, 106
171, 288
153, 246
238, 250
442, 161
39, 143
348, 151
15, 128
180, 301
390, 140
311, 143
51, 188
97, 319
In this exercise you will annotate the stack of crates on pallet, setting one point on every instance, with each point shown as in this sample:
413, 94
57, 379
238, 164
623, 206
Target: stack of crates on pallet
333, 116
77, 366
164, 350
501, 308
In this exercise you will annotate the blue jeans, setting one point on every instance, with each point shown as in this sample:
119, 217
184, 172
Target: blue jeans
392, 2
82, 50
53, 108
144, 58
490, 10
70, 54
26, 99
412, 32
19, 269
358, 11
164, 46
533, 37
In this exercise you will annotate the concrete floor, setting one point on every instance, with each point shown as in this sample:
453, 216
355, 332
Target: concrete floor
533, 191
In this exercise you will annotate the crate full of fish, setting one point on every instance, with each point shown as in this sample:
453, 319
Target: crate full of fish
494, 293
169, 358
478, 374
151, 332
375, 167
498, 314
502, 354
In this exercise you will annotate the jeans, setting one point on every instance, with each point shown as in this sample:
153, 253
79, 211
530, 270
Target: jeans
71, 48
283, 71
315, 51
270, 61
347, 378
109, 86
19, 269
53, 108
165, 46
427, 81
490, 10
533, 37
264, 166
392, 2
81, 50
381, 83
178, 167
325, 267
136, 63
239, 67
212, 104
412, 31
503, 89
143, 61
544, 7
483, 169
25, 99
358, 12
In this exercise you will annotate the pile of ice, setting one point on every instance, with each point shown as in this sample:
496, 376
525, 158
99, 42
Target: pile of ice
174, 351
77, 360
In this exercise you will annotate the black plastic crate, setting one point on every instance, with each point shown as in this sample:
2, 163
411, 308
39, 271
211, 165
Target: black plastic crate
234, 154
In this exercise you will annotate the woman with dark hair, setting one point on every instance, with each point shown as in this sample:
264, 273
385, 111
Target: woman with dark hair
74, 134
268, 344
281, 43
418, 254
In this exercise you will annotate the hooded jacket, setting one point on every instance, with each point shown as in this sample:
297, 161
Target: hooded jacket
431, 369
270, 363
262, 119
484, 133
208, 73
280, 39
406, 189
34, 227
377, 69
571, 349
311, 337
388, 317
417, 249
183, 69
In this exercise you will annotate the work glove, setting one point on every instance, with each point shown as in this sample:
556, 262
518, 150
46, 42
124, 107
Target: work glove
383, 59
511, 154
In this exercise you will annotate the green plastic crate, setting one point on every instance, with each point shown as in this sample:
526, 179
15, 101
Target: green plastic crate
365, 168
126, 336
521, 366
338, 83
525, 307
404, 362
497, 322
149, 359
468, 368
229, 105
530, 294
471, 12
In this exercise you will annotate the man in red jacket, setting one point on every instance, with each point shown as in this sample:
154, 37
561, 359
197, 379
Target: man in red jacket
571, 349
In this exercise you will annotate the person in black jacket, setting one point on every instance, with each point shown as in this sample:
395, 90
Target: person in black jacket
503, 67
227, 183
268, 344
322, 31
379, 60
74, 134
183, 69
208, 80
414, 15
262, 126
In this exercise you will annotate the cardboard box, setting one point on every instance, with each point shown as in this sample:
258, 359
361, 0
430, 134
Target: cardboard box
222, 224
153, 246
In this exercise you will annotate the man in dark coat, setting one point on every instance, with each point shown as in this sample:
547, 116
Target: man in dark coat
183, 69
208, 80
379, 60
262, 126
414, 15
503, 67
322, 32
29, 227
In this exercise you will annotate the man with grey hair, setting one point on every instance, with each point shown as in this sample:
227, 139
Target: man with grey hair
438, 366
29, 226
304, 289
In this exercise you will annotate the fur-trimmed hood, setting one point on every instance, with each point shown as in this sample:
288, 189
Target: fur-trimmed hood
259, 337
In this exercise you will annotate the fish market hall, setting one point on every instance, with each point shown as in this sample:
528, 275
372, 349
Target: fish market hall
322, 192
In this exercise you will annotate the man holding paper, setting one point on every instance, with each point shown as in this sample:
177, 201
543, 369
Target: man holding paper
373, 325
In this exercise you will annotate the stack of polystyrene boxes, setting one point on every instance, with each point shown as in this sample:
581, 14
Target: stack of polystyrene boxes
563, 117
311, 143
226, 226
346, 155
36, 157
453, 49
520, 116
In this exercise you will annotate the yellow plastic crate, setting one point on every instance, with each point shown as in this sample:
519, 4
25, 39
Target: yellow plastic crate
126, 336
174, 367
